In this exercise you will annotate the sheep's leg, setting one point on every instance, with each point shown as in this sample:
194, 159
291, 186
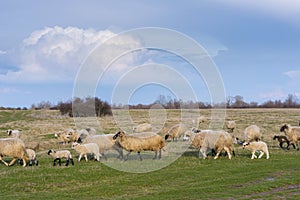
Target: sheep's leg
24, 162
228, 152
139, 153
67, 161
6, 164
253, 155
218, 153
127, 155
280, 144
72, 162
203, 152
85, 156
155, 155
159, 156
13, 162
261, 154
79, 158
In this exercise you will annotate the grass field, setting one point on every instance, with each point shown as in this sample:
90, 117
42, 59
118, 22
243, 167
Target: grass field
187, 178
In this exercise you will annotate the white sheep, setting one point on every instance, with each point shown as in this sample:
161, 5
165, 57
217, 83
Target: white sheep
58, 155
176, 132
293, 134
209, 140
137, 144
142, 128
84, 149
252, 133
14, 133
31, 157
63, 137
91, 131
105, 143
13, 147
230, 125
257, 146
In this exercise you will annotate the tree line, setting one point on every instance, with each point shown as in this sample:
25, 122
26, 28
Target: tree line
94, 106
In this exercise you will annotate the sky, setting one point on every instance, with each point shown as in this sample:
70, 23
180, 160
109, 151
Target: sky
47, 47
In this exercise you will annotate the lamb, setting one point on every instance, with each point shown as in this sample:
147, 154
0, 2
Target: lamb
176, 132
13, 147
31, 157
252, 133
283, 139
292, 133
257, 146
84, 149
105, 142
230, 125
142, 128
208, 140
58, 155
14, 133
137, 144
91, 131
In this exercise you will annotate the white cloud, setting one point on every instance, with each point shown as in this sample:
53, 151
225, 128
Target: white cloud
55, 53
292, 74
2, 52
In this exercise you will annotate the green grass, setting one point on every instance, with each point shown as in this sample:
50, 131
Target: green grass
187, 178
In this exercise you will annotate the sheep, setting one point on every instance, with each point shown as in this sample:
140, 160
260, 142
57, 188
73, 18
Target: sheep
91, 131
31, 157
252, 133
105, 142
257, 146
13, 147
84, 149
208, 140
58, 155
176, 132
292, 133
137, 144
283, 139
14, 133
63, 137
142, 128
230, 125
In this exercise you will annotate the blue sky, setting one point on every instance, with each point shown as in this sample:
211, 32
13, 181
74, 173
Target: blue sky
254, 44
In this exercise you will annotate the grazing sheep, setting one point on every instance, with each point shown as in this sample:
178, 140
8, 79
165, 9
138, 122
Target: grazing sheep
84, 149
105, 142
14, 133
73, 135
292, 133
283, 139
31, 157
176, 132
252, 133
63, 137
202, 119
91, 131
230, 125
142, 128
13, 147
137, 144
257, 146
208, 140
58, 155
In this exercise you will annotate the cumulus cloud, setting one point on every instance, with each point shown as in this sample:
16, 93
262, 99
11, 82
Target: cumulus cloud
292, 74
56, 53
2, 52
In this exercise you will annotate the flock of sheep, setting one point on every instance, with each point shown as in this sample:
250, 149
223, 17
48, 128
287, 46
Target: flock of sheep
87, 142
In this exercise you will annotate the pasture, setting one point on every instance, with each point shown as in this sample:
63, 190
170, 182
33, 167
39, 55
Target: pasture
188, 177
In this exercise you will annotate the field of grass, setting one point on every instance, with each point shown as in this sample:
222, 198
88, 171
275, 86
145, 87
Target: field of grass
187, 178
